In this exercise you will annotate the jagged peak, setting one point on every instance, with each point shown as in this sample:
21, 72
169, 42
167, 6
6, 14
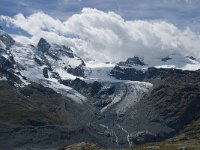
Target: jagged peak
191, 57
132, 61
43, 45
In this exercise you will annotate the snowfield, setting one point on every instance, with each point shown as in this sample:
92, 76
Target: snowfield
24, 55
47, 67
176, 61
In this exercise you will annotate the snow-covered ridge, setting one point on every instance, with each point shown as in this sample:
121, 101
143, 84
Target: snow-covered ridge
34, 70
48, 63
43, 66
176, 61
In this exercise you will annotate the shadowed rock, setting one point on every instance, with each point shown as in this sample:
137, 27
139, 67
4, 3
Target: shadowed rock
43, 45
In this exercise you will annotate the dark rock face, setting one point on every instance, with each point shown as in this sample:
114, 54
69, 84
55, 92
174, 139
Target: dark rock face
127, 74
78, 85
139, 75
78, 71
165, 59
5, 63
60, 50
38, 61
191, 57
142, 137
94, 88
95, 91
45, 72
43, 45
132, 61
12, 78
56, 76
81, 86
162, 73
177, 97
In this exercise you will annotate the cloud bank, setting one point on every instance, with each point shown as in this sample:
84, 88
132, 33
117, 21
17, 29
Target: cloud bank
106, 36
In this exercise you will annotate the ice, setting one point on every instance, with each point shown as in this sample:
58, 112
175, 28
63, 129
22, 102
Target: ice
135, 91
24, 56
98, 71
130, 93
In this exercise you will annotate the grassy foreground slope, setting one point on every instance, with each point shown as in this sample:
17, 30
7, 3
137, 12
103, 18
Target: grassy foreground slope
187, 139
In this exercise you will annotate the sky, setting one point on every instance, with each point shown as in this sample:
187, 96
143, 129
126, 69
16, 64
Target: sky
179, 12
104, 27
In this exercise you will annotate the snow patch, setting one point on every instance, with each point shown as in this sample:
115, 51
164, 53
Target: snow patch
24, 55
64, 90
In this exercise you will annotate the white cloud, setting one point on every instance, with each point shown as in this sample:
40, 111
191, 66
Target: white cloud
106, 36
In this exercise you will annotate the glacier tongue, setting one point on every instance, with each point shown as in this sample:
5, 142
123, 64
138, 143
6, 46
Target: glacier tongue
129, 94
134, 92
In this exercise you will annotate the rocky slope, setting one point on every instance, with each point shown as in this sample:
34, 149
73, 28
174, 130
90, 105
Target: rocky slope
50, 97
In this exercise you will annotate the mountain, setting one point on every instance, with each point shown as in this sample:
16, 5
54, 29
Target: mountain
50, 97
135, 68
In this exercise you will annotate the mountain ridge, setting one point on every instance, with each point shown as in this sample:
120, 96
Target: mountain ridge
71, 100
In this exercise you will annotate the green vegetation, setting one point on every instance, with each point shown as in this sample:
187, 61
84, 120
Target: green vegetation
16, 105
187, 139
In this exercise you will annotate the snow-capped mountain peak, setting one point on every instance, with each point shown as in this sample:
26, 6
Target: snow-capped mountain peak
43, 45
45, 64
176, 61
49, 64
